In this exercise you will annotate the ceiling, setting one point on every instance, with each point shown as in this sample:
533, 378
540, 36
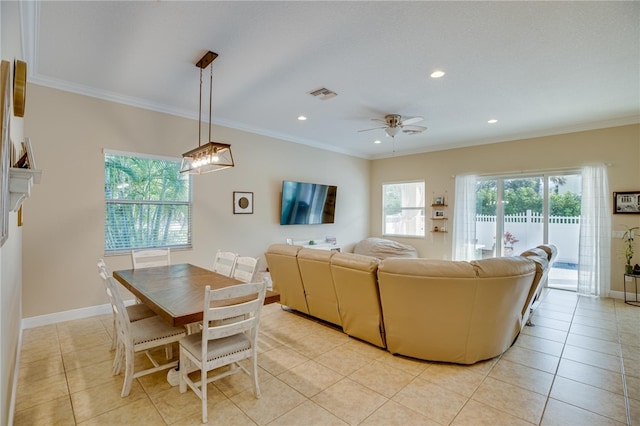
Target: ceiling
539, 68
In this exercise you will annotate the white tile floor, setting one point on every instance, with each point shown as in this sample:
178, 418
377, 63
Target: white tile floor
579, 365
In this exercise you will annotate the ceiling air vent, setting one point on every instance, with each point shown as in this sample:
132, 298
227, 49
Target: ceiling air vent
323, 93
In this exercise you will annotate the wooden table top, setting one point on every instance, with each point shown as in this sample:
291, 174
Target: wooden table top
176, 292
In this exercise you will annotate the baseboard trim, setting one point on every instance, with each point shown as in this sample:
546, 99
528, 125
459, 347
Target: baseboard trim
73, 314
616, 295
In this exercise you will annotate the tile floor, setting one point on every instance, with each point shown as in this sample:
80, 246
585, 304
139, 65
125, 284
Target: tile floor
580, 365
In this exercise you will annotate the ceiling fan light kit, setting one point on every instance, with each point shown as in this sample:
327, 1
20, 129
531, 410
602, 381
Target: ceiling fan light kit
394, 123
212, 156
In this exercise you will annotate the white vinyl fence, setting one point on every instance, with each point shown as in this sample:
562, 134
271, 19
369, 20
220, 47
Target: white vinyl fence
527, 228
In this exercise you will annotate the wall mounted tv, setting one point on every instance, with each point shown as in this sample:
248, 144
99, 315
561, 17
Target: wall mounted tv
307, 203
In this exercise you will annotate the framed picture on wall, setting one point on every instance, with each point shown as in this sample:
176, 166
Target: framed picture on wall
626, 202
242, 202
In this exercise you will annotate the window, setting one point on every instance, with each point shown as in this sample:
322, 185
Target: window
147, 202
403, 208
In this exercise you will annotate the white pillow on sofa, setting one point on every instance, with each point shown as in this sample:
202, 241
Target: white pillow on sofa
381, 248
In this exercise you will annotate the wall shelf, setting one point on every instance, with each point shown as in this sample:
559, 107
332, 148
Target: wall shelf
20, 182
439, 213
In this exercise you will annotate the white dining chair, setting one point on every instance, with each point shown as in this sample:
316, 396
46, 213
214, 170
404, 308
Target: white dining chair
224, 262
222, 343
139, 336
245, 268
136, 312
150, 258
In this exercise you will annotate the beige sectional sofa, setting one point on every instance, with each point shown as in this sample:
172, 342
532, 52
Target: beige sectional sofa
438, 310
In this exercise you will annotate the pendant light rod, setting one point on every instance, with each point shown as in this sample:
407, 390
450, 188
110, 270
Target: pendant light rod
210, 104
203, 63
212, 156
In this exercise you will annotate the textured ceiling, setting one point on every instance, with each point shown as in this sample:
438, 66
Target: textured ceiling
537, 67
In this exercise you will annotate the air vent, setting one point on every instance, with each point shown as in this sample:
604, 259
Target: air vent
323, 93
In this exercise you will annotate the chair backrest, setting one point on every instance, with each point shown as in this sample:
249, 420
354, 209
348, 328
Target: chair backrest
224, 262
245, 268
242, 302
103, 267
150, 258
117, 305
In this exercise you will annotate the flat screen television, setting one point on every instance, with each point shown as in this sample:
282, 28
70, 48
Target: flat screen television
307, 203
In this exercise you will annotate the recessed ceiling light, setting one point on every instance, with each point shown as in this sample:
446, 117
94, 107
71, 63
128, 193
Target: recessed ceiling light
437, 74
302, 117
377, 141
492, 121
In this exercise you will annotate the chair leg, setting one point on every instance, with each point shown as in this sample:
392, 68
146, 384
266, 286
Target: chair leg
168, 349
184, 362
128, 372
254, 368
203, 391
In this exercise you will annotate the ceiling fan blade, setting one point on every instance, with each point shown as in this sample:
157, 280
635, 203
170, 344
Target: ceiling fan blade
375, 128
411, 120
379, 120
414, 128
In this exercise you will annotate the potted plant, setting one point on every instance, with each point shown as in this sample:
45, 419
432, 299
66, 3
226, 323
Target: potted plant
509, 241
628, 237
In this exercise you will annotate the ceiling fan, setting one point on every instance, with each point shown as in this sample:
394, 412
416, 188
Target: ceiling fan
394, 123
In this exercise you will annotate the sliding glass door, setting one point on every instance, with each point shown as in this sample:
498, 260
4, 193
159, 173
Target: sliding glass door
514, 213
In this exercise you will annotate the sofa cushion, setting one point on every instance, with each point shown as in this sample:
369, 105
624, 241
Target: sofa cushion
381, 248
285, 249
355, 261
315, 270
428, 267
503, 266
282, 260
356, 284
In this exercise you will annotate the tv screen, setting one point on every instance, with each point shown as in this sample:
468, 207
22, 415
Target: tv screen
307, 203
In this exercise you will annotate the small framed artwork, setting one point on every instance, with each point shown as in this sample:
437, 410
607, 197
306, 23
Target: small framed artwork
626, 202
439, 201
242, 202
438, 213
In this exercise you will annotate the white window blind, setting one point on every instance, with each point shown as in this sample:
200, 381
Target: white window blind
148, 202
403, 208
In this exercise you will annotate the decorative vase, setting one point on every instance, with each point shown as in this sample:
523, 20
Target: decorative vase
628, 269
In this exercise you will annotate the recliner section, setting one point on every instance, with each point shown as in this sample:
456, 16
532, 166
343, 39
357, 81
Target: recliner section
355, 278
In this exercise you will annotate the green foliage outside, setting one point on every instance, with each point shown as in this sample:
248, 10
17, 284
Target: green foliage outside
147, 203
392, 199
521, 195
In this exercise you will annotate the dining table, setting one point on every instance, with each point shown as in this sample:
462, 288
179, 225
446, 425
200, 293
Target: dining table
176, 292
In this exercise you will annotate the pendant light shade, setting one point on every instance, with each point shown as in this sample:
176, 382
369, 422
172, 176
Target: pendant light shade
207, 158
211, 156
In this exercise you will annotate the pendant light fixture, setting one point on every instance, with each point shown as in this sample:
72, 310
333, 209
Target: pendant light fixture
212, 156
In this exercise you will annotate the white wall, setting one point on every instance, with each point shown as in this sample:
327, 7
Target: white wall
63, 232
11, 251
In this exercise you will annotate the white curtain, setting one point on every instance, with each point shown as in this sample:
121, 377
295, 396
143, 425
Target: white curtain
594, 251
464, 218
